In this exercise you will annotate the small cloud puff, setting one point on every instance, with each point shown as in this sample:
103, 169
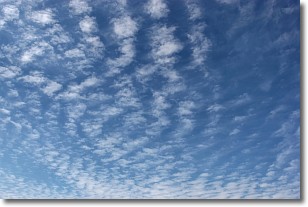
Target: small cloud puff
51, 88
157, 9
88, 25
10, 12
79, 6
234, 132
124, 27
164, 44
9, 72
42, 17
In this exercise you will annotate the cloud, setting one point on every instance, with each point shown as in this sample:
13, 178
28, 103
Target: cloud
241, 100
227, 1
144, 73
74, 53
88, 25
234, 132
43, 17
35, 78
201, 45
215, 108
149, 131
5, 111
157, 9
194, 10
77, 110
127, 50
273, 113
37, 49
127, 97
240, 118
79, 6
9, 72
10, 12
185, 108
51, 88
124, 27
74, 90
164, 44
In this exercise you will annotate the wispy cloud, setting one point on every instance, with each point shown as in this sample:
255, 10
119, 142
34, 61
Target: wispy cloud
200, 44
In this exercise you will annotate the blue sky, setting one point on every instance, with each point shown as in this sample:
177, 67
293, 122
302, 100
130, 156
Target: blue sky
149, 99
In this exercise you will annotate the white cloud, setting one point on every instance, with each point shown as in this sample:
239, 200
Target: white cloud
145, 72
34, 134
51, 88
35, 78
157, 8
13, 93
88, 25
9, 72
77, 110
43, 17
193, 10
124, 27
91, 81
127, 97
164, 44
234, 132
74, 53
276, 111
127, 50
160, 103
96, 45
185, 108
74, 90
37, 49
215, 108
168, 48
132, 120
5, 111
187, 124
58, 35
200, 44
241, 100
10, 12
240, 118
227, 1
79, 6
111, 111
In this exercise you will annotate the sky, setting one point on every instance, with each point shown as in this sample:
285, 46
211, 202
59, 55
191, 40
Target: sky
154, 99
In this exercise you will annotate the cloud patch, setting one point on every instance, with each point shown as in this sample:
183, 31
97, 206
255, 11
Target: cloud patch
157, 9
